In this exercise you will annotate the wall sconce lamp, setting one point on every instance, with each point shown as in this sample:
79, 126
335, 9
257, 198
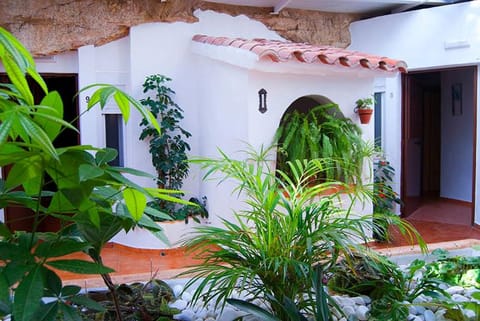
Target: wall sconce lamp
262, 101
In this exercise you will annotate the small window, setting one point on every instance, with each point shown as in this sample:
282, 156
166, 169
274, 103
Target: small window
378, 119
114, 136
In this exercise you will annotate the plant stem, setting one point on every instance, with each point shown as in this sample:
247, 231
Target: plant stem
109, 283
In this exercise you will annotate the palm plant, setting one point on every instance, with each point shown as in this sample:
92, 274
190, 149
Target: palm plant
269, 251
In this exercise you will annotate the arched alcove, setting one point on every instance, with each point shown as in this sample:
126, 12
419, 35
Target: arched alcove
313, 127
305, 103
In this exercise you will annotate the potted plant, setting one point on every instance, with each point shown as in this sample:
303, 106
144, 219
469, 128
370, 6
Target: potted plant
364, 109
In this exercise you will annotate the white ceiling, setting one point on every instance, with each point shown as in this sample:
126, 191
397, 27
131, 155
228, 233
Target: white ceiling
345, 6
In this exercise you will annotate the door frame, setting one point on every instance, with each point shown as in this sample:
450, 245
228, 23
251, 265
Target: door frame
405, 125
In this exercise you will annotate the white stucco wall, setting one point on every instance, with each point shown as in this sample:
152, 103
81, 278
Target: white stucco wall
435, 38
220, 99
456, 137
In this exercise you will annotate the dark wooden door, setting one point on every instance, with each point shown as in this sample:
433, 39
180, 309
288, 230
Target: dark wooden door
19, 218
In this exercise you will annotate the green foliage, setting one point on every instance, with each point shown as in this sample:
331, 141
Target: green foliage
384, 282
323, 132
92, 200
385, 197
318, 301
168, 147
270, 249
364, 103
455, 270
138, 301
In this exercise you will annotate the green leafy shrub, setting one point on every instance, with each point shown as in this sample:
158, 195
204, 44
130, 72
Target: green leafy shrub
323, 132
168, 149
383, 281
385, 197
138, 301
454, 270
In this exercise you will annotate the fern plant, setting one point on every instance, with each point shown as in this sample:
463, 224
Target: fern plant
323, 132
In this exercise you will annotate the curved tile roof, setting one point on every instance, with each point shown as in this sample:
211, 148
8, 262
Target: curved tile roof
283, 51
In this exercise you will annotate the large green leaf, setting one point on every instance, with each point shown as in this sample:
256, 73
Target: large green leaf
46, 312
131, 171
110, 225
4, 288
85, 301
55, 248
70, 290
37, 135
9, 45
79, 266
60, 204
4, 231
122, 104
136, 202
53, 283
69, 313
24, 171
5, 127
53, 100
9, 251
87, 171
105, 91
106, 155
17, 77
28, 295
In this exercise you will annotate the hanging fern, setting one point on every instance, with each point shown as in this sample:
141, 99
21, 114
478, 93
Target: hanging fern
323, 132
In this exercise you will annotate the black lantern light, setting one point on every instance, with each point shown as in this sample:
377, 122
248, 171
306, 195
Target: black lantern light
262, 101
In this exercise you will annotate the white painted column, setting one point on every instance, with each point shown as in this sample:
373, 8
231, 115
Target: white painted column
91, 126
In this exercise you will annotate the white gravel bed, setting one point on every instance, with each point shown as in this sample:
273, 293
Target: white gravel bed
359, 307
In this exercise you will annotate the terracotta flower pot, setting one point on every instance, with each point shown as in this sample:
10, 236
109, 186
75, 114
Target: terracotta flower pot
365, 115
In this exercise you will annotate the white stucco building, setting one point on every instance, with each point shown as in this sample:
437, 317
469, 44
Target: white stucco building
217, 81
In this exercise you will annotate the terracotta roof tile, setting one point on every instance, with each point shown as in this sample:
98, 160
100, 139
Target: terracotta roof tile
283, 51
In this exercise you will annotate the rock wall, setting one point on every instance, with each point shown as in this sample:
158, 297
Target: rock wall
52, 26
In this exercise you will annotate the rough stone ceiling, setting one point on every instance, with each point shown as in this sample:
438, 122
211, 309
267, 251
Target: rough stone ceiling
369, 7
48, 27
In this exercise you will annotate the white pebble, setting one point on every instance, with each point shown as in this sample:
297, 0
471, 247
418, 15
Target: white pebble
362, 313
460, 298
187, 296
179, 304
358, 300
186, 315
429, 315
177, 290
470, 314
349, 310
455, 290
